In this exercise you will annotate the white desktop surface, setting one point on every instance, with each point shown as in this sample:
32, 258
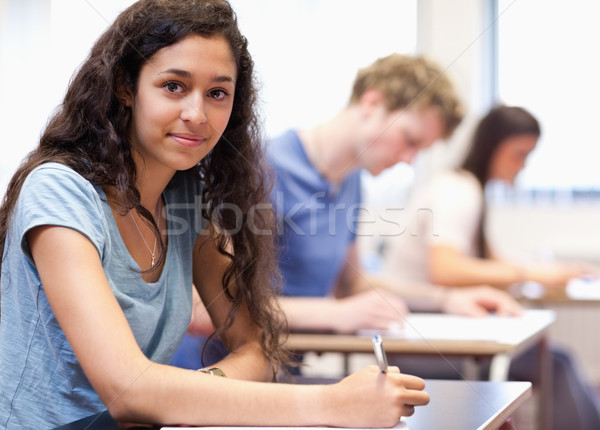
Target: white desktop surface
500, 329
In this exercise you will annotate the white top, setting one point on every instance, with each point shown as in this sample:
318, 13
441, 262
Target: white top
446, 211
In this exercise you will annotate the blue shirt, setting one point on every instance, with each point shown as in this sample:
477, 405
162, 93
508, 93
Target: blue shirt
316, 220
42, 383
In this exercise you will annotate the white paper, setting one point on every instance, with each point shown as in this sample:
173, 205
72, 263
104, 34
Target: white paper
492, 328
584, 289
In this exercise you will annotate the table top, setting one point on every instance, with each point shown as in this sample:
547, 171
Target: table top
466, 405
439, 334
454, 405
576, 292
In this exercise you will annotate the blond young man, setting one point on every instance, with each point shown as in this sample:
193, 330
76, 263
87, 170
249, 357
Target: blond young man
399, 106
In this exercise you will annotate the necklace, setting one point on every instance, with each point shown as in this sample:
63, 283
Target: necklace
153, 252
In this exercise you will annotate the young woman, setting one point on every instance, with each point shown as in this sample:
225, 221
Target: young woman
456, 251
146, 182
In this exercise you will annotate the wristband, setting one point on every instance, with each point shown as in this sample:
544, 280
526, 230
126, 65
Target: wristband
212, 371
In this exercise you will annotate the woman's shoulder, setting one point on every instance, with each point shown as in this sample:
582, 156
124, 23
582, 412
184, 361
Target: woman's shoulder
448, 186
56, 173
55, 194
455, 181
58, 183
455, 176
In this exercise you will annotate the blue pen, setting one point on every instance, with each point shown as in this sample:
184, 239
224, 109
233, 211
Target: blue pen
380, 353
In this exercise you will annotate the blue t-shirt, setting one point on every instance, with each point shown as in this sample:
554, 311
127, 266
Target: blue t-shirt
316, 220
42, 383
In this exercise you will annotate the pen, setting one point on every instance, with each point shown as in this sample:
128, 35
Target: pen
380, 353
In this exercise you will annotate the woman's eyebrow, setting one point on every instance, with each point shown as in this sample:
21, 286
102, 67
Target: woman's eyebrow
179, 72
185, 74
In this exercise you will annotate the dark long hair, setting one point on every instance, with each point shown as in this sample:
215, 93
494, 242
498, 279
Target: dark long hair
501, 123
89, 133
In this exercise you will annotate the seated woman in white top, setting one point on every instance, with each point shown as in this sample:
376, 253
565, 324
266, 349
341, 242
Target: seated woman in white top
446, 242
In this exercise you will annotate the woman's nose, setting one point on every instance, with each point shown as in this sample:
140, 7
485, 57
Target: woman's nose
193, 110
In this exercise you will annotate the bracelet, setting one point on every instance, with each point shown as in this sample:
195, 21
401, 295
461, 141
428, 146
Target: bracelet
212, 371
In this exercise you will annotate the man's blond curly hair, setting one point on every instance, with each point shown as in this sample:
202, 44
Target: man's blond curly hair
414, 83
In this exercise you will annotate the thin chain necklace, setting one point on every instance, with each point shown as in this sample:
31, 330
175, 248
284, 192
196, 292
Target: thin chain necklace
153, 252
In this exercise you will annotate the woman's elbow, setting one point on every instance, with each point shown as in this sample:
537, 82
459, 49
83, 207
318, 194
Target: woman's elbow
122, 410
132, 408
127, 401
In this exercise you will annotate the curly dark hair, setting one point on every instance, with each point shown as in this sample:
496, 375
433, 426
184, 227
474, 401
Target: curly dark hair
89, 133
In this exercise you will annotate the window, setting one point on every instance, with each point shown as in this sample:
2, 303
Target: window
42, 42
307, 52
547, 63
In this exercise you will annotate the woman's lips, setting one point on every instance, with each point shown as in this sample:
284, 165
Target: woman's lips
187, 140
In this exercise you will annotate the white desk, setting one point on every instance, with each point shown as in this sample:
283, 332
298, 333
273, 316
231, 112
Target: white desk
497, 338
440, 334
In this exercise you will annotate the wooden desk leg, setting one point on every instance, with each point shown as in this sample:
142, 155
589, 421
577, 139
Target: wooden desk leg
545, 386
499, 367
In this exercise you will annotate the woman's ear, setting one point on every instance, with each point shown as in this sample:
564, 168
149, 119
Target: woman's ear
124, 95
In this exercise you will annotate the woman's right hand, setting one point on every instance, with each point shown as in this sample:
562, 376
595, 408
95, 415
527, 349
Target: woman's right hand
558, 275
370, 398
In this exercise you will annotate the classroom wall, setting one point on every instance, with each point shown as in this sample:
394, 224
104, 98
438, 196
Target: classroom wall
42, 42
458, 35
547, 230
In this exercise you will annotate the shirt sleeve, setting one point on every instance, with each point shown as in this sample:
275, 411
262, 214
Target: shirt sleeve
56, 195
456, 202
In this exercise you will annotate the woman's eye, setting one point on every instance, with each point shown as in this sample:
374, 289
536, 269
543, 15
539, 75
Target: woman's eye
218, 94
173, 87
